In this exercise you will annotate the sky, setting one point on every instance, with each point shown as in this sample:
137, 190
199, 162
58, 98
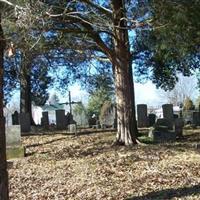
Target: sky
144, 94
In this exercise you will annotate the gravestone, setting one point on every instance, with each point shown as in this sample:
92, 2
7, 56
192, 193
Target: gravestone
45, 119
92, 121
60, 119
152, 119
14, 148
72, 128
142, 116
179, 124
168, 114
161, 132
25, 122
15, 118
196, 118
162, 122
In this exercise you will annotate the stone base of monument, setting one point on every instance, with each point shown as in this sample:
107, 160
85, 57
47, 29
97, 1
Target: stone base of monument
15, 152
162, 135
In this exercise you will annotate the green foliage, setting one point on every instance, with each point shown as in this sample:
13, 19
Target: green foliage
188, 104
54, 99
96, 101
171, 44
79, 109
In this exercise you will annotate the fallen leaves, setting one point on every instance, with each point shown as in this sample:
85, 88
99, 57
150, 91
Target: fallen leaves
89, 167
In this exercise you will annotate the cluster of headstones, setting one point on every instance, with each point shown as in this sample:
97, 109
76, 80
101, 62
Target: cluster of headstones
62, 121
164, 129
22, 119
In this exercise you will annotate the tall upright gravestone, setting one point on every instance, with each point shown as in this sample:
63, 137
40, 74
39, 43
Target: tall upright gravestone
142, 116
168, 114
196, 118
14, 149
45, 119
60, 119
25, 122
15, 118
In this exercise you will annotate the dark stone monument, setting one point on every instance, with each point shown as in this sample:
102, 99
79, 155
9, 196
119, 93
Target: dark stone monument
142, 116
161, 132
15, 118
179, 124
60, 120
196, 118
152, 119
168, 114
25, 122
45, 120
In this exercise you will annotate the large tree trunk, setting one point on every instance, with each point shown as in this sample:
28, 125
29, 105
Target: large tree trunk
25, 92
3, 162
127, 127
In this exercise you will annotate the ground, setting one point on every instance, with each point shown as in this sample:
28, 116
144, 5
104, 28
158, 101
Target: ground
88, 167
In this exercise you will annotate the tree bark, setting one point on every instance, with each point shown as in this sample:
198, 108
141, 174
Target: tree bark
25, 92
124, 86
3, 161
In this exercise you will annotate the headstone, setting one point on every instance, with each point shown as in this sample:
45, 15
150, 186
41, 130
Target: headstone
161, 133
15, 118
196, 118
168, 114
25, 122
60, 119
92, 121
13, 135
14, 149
142, 115
45, 119
152, 119
163, 136
72, 128
179, 124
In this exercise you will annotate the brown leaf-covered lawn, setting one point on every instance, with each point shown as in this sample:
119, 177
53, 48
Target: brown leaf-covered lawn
88, 167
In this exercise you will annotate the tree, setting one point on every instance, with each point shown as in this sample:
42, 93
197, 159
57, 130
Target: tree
54, 99
96, 101
184, 88
3, 161
188, 104
106, 28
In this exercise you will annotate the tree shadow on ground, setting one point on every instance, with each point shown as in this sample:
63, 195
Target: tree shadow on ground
168, 194
48, 142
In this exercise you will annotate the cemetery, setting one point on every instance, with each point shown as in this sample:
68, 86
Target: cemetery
99, 100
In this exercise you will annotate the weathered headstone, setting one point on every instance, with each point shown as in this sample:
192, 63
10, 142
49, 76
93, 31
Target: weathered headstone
179, 124
60, 120
45, 119
168, 114
13, 142
152, 119
15, 118
142, 115
161, 133
196, 118
25, 122
92, 121
162, 122
72, 128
